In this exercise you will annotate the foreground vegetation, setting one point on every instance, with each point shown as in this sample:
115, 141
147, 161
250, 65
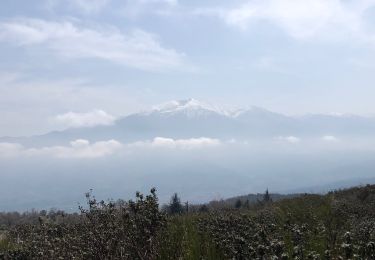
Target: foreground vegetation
338, 225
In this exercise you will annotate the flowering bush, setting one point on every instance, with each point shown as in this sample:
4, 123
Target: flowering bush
339, 225
104, 231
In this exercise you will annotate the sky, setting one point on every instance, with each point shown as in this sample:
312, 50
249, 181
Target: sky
102, 59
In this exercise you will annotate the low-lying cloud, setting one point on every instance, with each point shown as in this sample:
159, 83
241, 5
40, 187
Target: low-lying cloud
89, 119
289, 139
78, 149
192, 143
330, 138
82, 148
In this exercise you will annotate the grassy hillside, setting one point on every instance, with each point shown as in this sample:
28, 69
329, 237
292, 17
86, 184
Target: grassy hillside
338, 225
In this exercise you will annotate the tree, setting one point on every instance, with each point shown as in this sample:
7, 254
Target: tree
175, 206
238, 204
246, 204
203, 208
267, 197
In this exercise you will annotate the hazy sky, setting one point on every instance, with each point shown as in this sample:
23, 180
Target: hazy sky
109, 58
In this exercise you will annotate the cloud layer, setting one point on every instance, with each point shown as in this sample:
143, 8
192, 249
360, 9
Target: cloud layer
317, 19
137, 49
191, 143
330, 138
82, 148
78, 149
289, 139
85, 6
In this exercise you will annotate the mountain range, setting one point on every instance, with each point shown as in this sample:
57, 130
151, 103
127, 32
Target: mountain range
192, 118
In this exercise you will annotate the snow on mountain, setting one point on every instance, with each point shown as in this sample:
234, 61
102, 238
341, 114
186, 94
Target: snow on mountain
190, 107
193, 107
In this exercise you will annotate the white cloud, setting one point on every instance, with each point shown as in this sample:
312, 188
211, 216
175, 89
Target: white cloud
330, 138
10, 149
134, 9
137, 49
85, 6
289, 139
192, 143
90, 6
89, 119
82, 148
78, 149
169, 2
306, 19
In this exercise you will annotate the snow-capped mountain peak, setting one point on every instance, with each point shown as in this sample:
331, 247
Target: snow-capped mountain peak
188, 106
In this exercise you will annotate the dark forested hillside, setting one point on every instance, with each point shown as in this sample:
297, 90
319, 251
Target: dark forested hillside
338, 225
